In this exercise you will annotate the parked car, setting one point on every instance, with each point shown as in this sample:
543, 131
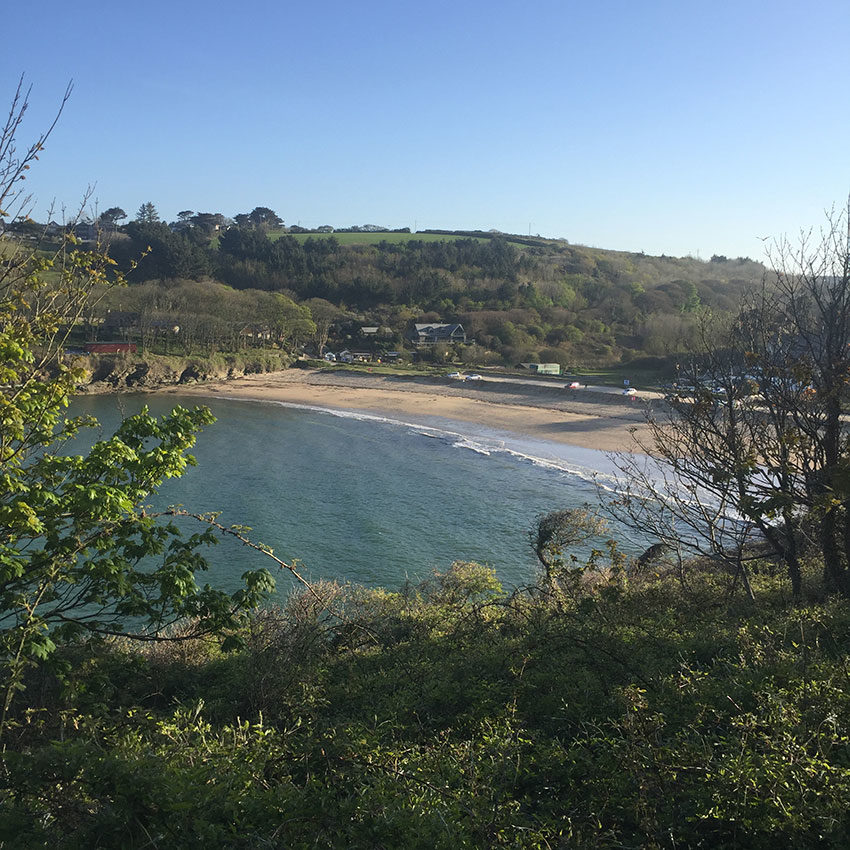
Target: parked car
630, 391
457, 376
472, 377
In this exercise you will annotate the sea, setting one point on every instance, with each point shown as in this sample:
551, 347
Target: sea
368, 499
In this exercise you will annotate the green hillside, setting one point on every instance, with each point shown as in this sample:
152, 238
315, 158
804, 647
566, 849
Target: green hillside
518, 298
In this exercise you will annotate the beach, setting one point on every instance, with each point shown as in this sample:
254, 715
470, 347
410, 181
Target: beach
576, 417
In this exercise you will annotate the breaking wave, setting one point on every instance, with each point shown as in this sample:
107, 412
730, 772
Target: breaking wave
590, 466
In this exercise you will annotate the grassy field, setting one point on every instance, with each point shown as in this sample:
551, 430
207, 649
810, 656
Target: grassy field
640, 378
372, 238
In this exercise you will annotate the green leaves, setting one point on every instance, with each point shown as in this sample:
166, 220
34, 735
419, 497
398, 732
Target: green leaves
449, 716
79, 552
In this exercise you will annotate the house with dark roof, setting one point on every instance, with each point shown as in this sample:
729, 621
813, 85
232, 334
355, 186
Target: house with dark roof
431, 334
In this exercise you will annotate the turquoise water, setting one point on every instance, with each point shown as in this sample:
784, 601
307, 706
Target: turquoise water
365, 499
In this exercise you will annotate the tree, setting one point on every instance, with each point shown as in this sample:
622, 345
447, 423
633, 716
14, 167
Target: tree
164, 253
323, 314
14, 201
109, 218
207, 223
807, 364
724, 479
147, 213
290, 322
557, 532
264, 218
261, 218
81, 555
755, 450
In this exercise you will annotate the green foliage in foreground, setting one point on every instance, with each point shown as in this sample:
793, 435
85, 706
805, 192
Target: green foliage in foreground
80, 552
451, 716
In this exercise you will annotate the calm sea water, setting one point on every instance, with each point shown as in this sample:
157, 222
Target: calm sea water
365, 499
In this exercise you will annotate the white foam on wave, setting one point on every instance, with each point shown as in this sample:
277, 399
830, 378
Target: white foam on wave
472, 446
591, 466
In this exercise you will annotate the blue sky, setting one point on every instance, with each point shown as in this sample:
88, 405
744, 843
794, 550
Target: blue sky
666, 127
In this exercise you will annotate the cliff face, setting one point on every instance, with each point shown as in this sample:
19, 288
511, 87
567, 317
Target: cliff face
117, 372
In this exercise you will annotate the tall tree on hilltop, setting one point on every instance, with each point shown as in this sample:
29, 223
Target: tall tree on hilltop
110, 218
207, 223
262, 218
147, 213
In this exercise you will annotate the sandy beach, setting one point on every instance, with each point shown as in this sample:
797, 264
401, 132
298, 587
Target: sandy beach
579, 417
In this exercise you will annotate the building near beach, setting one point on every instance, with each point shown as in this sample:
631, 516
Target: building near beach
543, 368
431, 334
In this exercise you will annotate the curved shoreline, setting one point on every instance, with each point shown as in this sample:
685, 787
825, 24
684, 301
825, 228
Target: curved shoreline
572, 417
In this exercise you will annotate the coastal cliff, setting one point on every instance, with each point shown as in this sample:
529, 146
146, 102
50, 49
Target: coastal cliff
119, 372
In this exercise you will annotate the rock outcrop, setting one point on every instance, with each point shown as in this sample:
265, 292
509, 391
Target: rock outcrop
121, 372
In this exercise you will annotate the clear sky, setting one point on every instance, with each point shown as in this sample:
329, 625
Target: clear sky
684, 127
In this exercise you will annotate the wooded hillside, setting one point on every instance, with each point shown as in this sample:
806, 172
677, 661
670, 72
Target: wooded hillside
519, 299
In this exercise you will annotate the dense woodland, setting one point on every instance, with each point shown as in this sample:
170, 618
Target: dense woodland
519, 299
